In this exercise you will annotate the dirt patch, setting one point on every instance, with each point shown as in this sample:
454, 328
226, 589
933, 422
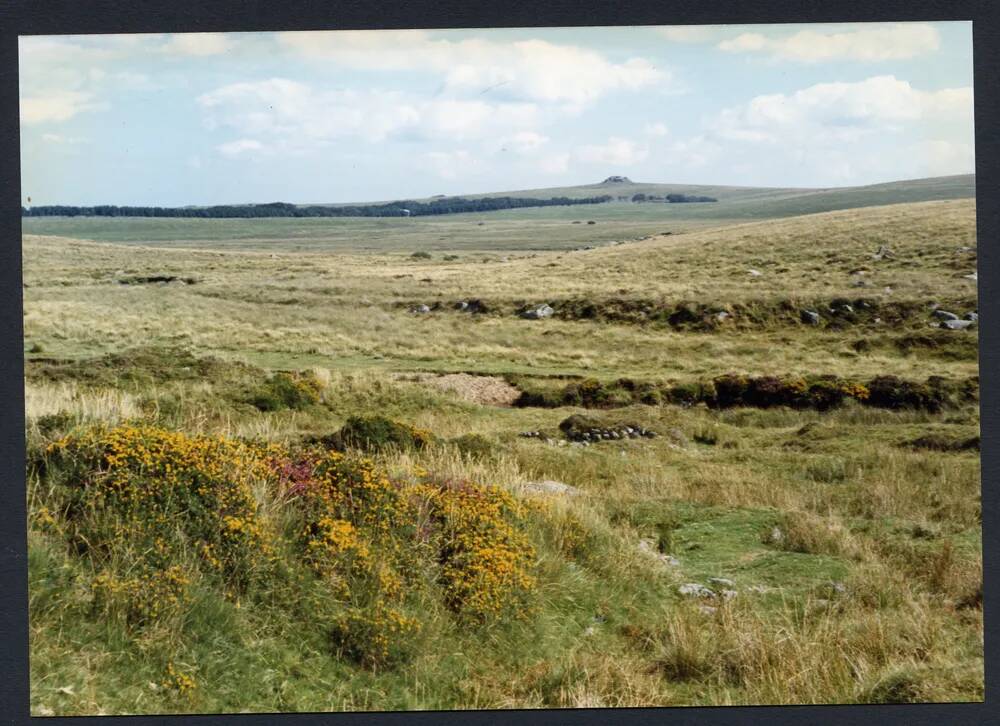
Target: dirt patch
484, 390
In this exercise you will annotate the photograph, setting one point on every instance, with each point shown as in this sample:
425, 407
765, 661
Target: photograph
469, 369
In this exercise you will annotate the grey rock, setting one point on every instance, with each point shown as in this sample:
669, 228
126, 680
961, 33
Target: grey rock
882, 253
420, 309
944, 315
776, 536
728, 594
974, 277
956, 324
539, 312
810, 317
754, 273
974, 317
694, 589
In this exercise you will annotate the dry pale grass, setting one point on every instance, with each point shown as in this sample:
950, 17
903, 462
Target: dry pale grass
102, 404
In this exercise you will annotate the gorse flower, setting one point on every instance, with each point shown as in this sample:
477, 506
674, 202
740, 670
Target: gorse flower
142, 500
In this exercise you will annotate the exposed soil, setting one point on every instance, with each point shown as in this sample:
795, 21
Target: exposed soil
484, 390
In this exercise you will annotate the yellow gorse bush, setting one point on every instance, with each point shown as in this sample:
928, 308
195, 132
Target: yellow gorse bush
485, 554
169, 506
158, 490
143, 599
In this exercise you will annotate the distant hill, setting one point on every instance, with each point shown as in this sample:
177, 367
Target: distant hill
737, 202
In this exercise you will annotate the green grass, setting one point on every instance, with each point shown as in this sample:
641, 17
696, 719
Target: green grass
870, 592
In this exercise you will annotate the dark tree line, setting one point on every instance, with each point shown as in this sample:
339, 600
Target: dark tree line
672, 198
448, 205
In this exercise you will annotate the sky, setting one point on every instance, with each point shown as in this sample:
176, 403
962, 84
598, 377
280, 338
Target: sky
347, 116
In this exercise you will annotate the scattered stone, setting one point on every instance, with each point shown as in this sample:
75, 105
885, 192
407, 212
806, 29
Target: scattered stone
810, 317
944, 315
860, 283
965, 250
694, 589
728, 594
722, 316
882, 253
649, 548
758, 589
776, 536
537, 313
957, 324
974, 317
974, 277
420, 309
754, 273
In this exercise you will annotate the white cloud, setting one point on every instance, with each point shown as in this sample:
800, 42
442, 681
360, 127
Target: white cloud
554, 163
617, 152
690, 153
296, 116
867, 43
54, 107
60, 139
60, 78
240, 146
656, 129
535, 70
525, 142
841, 111
940, 157
452, 164
688, 33
198, 44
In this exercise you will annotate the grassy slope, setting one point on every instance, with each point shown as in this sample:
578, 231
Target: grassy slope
304, 309
899, 527
546, 228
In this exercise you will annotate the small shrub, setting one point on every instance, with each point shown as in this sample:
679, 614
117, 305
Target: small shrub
895, 393
688, 394
375, 637
378, 433
938, 442
730, 390
284, 390
485, 553
900, 685
139, 600
475, 446
421, 255
162, 493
